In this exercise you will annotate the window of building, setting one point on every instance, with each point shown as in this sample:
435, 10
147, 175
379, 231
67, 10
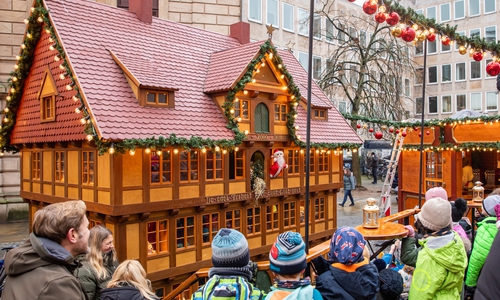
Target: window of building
459, 9
433, 76
188, 161
253, 220
293, 162
323, 162
407, 87
475, 101
419, 76
233, 219
241, 109
161, 167
460, 71
419, 48
446, 104
319, 114
316, 67
446, 73
255, 10
487, 61
445, 14
341, 36
317, 26
491, 101
303, 60
418, 106
272, 218
433, 169
490, 34
157, 98
362, 38
329, 31
461, 33
476, 32
319, 209
475, 70
431, 12
433, 105
302, 208
432, 47
214, 165
461, 101
445, 48
288, 17
157, 237
237, 164
280, 111
419, 12
94, 223
210, 225
273, 13
342, 107
473, 8
261, 118
184, 228
289, 214
353, 75
489, 6
88, 161
48, 109
303, 21
59, 163
311, 162
125, 3
35, 165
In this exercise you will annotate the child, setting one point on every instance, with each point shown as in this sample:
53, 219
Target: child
287, 260
128, 282
391, 285
458, 208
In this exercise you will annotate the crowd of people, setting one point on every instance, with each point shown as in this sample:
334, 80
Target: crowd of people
63, 258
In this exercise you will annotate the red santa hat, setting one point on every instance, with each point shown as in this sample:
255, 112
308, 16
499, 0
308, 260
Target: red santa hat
276, 150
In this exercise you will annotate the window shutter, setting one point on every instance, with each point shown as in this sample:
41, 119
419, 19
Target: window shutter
261, 118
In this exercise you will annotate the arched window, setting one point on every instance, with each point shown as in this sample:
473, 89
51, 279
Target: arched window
261, 118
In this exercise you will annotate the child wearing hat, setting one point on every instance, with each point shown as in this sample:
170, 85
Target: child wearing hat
229, 278
458, 208
442, 260
486, 232
347, 275
391, 285
287, 261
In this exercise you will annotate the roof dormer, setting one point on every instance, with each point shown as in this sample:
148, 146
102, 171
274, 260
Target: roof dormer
47, 96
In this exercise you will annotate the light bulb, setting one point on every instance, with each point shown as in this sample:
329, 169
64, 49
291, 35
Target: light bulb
23, 46
5, 120
8, 98
61, 76
75, 98
18, 57
131, 152
245, 92
40, 20
217, 148
231, 111
12, 90
158, 152
89, 137
57, 58
51, 48
203, 150
280, 66
26, 21
224, 151
236, 149
111, 149
271, 55
176, 151
28, 35
14, 78
147, 151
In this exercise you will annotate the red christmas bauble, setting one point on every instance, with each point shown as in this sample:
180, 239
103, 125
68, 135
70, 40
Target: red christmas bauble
397, 131
380, 17
370, 130
478, 56
370, 8
427, 132
415, 128
446, 41
393, 19
493, 68
431, 37
419, 134
378, 135
358, 126
408, 34
391, 129
403, 134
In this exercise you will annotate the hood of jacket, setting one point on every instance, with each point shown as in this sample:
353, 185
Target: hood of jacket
446, 250
359, 280
121, 293
37, 252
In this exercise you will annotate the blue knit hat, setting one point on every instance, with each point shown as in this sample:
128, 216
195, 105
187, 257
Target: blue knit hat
346, 246
287, 255
230, 249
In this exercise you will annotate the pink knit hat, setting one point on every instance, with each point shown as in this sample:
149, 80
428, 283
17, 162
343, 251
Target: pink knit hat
436, 192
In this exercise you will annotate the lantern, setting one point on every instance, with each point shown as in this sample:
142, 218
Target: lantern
478, 192
370, 214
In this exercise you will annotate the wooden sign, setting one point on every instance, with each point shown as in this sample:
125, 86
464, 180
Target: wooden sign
479, 132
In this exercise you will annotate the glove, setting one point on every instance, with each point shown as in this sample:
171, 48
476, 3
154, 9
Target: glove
469, 292
411, 231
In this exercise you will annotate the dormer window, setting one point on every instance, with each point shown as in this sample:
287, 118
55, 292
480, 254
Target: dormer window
48, 109
47, 96
158, 98
319, 114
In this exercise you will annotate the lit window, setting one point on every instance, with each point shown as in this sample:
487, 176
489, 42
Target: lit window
157, 237
253, 221
280, 112
446, 73
35, 165
293, 162
491, 101
459, 7
210, 225
188, 166
288, 19
88, 162
446, 104
255, 10
272, 217
59, 164
272, 13
161, 167
475, 101
241, 109
184, 229
214, 165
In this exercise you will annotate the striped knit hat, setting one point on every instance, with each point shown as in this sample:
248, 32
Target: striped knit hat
230, 249
287, 255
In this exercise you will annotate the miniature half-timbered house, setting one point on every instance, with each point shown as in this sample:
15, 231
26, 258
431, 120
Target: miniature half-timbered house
167, 133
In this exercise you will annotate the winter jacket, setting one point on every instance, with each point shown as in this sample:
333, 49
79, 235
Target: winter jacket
88, 277
41, 269
359, 281
301, 293
349, 183
409, 251
122, 293
227, 287
487, 284
461, 232
486, 232
440, 268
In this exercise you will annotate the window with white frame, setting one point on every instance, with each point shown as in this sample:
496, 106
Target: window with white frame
419, 49
329, 31
353, 75
490, 33
329, 70
460, 73
461, 33
303, 21
419, 76
445, 48
445, 14
432, 47
461, 101
473, 8
433, 74
255, 10
341, 34
446, 104
288, 17
431, 12
419, 11
343, 107
475, 70
303, 59
433, 105
272, 13
317, 26
418, 106
489, 6
475, 101
407, 87
446, 73
316, 67
491, 101
459, 9
476, 32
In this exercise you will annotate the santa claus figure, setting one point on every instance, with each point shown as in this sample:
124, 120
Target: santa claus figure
278, 165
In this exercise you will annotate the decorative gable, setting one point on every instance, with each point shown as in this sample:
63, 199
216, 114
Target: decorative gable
47, 96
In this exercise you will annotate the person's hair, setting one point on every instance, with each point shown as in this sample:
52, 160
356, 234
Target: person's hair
495, 192
130, 272
95, 256
54, 221
348, 172
466, 161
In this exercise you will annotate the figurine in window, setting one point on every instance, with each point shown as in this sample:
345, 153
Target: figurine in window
279, 164
151, 250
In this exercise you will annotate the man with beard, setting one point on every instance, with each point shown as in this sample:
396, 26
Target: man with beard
100, 263
42, 267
